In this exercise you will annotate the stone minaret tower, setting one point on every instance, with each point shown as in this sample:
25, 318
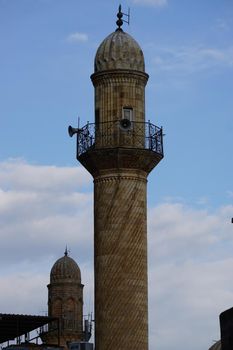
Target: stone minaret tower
119, 150
65, 301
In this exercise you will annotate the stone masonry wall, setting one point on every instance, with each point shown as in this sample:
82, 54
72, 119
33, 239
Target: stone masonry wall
120, 261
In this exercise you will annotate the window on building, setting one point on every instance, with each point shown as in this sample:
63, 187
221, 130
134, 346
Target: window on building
127, 113
97, 117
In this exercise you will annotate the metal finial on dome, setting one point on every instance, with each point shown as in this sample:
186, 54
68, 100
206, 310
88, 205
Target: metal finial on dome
66, 251
121, 15
119, 22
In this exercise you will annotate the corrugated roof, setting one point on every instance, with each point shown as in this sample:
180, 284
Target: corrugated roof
12, 326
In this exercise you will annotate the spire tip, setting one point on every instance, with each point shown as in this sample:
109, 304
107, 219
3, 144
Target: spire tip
66, 251
119, 22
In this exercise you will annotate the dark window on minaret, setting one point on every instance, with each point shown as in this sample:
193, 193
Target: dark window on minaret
97, 117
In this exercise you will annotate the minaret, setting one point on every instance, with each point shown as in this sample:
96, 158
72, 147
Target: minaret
119, 150
65, 301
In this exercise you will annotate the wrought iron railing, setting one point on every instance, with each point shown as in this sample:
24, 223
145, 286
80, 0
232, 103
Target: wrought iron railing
117, 134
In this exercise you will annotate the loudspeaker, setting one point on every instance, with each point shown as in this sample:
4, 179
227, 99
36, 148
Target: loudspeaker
72, 131
125, 124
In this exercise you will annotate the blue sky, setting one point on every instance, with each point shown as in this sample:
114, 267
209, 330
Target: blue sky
47, 54
188, 50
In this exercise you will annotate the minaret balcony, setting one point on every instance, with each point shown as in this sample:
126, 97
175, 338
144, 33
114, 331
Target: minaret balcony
119, 134
118, 144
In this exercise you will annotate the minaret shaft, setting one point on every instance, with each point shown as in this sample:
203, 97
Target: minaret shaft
120, 261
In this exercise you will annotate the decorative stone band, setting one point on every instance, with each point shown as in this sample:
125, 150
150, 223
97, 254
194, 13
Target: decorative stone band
118, 76
109, 178
65, 283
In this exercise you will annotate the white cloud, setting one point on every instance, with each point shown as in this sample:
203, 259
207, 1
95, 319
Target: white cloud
198, 234
40, 206
190, 271
189, 59
77, 37
24, 293
17, 174
190, 252
187, 300
203, 200
222, 24
156, 3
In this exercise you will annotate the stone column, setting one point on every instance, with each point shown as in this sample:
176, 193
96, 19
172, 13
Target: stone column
121, 260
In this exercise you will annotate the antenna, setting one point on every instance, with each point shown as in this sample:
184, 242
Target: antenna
128, 16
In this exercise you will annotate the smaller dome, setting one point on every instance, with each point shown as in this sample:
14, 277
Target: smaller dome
65, 269
119, 51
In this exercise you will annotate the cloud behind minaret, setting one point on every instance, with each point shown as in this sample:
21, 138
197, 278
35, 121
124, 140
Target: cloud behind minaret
43, 208
77, 37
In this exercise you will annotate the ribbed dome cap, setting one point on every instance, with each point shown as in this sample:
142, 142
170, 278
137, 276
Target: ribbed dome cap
65, 269
119, 51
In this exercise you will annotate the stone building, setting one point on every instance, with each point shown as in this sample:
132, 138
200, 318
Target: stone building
65, 301
119, 150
